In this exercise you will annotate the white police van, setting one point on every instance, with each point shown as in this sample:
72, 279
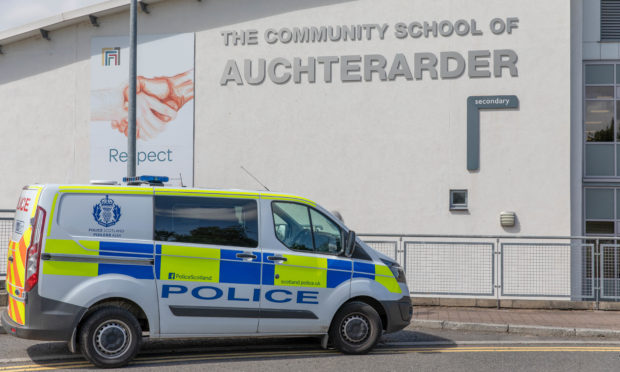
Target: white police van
104, 266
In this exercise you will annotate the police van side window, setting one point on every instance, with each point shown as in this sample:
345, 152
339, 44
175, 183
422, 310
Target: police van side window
302, 228
218, 221
328, 237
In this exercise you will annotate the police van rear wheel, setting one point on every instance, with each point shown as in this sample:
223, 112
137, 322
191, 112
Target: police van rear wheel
356, 328
110, 337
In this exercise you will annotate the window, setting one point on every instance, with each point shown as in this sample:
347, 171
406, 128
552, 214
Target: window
327, 235
305, 229
218, 221
458, 200
601, 113
601, 211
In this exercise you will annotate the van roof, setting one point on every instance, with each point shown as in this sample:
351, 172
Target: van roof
146, 189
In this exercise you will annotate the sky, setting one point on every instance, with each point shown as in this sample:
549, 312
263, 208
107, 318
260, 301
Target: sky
14, 13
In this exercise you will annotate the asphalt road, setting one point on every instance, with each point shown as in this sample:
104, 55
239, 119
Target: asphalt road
412, 349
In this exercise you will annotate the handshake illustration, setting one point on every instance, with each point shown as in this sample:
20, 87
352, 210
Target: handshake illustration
158, 100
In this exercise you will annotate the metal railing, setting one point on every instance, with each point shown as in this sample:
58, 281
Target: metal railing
506, 267
449, 268
6, 226
484, 266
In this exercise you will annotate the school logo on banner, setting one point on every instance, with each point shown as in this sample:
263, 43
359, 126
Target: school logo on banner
111, 56
106, 213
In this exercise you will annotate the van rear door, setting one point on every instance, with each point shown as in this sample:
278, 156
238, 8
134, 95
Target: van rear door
18, 246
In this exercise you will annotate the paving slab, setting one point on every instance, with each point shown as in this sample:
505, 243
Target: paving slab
583, 319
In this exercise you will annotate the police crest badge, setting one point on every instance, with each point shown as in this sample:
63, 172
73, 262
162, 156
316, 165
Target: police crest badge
107, 212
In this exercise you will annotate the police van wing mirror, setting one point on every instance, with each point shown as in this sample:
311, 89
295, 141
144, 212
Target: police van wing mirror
349, 245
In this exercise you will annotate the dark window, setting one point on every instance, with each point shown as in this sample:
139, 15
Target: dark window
360, 253
199, 220
305, 229
458, 200
599, 227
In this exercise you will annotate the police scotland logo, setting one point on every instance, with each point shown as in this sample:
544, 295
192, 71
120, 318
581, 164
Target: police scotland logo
106, 213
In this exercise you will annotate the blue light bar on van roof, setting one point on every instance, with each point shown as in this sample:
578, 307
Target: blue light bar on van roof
146, 179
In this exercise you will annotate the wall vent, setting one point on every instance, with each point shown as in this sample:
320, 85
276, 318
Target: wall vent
610, 20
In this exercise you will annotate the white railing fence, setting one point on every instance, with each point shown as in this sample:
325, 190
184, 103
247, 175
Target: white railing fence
6, 226
506, 267
491, 267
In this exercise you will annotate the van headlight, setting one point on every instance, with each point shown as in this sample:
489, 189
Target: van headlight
397, 270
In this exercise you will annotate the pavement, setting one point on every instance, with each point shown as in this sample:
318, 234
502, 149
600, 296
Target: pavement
565, 323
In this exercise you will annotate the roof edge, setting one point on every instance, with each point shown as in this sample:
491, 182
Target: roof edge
65, 19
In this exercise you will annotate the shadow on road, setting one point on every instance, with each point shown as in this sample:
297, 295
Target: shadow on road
47, 349
183, 351
415, 336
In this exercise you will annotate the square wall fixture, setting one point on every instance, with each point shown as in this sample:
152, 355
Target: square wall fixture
458, 200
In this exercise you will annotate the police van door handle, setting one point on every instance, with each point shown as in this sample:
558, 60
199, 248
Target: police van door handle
246, 256
276, 258
10, 258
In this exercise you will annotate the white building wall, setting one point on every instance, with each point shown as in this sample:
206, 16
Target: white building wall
384, 154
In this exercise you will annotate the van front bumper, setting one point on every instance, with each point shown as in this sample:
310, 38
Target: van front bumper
398, 313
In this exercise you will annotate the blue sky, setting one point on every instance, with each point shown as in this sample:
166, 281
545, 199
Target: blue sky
14, 13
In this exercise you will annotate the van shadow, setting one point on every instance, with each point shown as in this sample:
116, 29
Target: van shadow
205, 351
414, 341
414, 336
51, 352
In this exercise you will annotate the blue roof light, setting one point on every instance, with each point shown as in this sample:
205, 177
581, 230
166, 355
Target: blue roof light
146, 179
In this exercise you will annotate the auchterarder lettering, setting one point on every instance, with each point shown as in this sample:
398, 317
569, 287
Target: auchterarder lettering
358, 68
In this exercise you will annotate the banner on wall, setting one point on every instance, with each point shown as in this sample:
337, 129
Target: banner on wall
164, 107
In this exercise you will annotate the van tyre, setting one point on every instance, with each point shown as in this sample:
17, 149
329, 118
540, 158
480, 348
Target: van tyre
110, 337
356, 328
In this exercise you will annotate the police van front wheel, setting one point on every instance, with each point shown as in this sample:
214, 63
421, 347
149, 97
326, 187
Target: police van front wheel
110, 337
356, 328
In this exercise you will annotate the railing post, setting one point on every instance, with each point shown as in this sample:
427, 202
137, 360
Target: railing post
402, 251
498, 284
599, 281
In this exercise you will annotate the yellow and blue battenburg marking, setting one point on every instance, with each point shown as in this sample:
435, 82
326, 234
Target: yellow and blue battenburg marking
379, 273
225, 266
208, 265
94, 256
127, 250
305, 271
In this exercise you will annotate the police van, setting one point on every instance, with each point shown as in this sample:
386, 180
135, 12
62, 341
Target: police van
103, 267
